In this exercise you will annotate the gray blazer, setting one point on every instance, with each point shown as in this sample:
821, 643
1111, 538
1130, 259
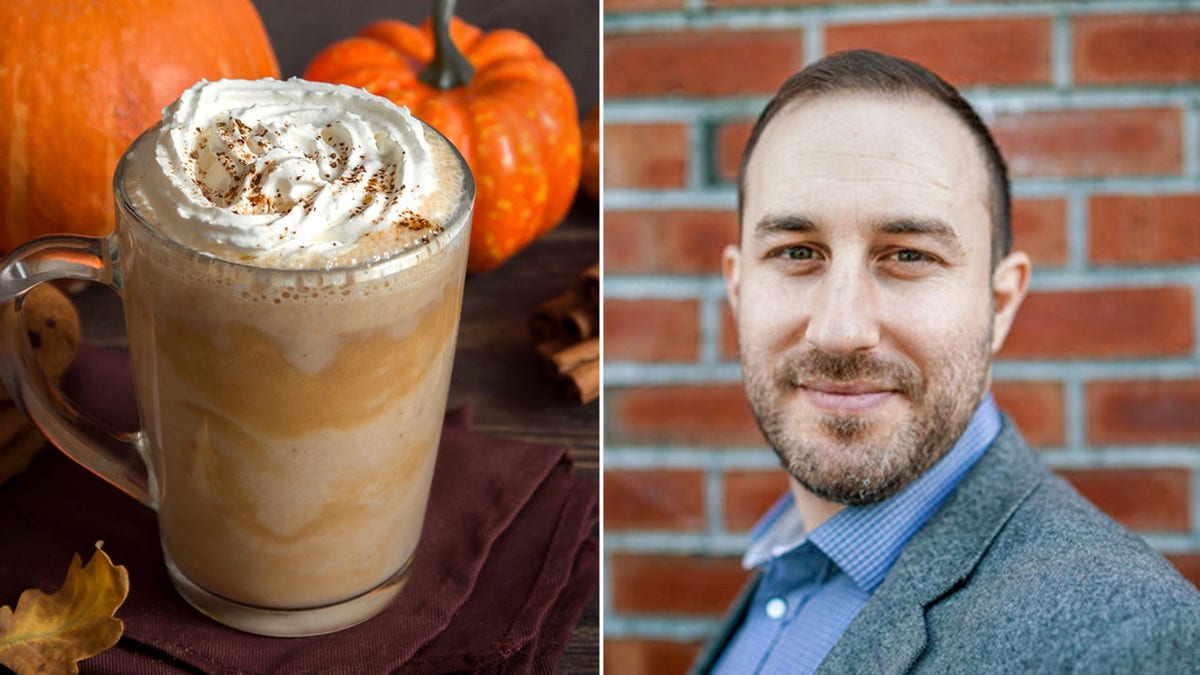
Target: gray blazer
1016, 573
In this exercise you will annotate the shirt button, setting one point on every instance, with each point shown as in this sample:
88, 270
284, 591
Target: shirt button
776, 608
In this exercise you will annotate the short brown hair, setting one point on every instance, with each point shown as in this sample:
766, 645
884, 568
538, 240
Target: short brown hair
865, 71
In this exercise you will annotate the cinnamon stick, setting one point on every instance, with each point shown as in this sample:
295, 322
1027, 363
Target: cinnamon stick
581, 322
584, 381
565, 316
568, 358
547, 349
565, 330
545, 323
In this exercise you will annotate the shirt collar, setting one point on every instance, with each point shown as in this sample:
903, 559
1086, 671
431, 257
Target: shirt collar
864, 541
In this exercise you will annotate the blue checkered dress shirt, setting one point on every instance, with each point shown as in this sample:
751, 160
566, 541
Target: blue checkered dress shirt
812, 585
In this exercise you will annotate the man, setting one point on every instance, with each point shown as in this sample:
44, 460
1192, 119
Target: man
873, 282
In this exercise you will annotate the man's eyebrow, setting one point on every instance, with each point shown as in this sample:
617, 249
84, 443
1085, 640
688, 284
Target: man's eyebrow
930, 227
789, 223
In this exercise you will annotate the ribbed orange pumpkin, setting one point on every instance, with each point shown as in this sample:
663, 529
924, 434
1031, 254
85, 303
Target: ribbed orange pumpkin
80, 80
508, 110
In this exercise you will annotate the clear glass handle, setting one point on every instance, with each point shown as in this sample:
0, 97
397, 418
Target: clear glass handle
114, 456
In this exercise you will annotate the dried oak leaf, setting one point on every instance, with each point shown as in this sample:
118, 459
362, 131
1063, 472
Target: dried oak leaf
52, 633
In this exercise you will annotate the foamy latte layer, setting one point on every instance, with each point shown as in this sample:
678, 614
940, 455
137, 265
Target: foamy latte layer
292, 174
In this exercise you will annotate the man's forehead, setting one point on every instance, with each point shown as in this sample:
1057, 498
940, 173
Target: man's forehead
867, 146
903, 127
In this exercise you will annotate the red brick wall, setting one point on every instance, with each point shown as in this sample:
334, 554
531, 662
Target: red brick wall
1097, 108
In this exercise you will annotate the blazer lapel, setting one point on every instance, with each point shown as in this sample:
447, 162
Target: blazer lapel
889, 634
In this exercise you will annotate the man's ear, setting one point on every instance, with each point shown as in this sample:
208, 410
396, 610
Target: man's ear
731, 267
1010, 282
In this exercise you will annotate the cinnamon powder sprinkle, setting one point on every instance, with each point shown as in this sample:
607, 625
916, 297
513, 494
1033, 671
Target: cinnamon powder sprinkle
241, 140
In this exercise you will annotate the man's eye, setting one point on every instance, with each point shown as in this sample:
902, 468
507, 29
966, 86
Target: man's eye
797, 253
910, 256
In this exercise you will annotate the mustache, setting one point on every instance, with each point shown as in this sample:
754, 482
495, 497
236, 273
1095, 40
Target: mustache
820, 366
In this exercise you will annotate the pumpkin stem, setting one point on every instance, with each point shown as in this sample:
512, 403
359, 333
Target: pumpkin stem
449, 68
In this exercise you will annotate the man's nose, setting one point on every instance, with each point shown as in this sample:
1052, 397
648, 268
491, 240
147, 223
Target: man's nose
844, 314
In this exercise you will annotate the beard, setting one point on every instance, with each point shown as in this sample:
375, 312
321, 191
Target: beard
852, 459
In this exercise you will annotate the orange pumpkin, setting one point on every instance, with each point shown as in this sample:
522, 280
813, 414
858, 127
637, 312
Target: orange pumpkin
590, 171
508, 110
82, 79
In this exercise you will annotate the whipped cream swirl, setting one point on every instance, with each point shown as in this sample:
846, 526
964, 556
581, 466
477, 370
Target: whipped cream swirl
288, 173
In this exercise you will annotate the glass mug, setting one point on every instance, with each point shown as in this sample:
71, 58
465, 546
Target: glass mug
291, 418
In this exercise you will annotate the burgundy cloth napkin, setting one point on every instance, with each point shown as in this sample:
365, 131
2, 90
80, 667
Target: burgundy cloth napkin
507, 562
